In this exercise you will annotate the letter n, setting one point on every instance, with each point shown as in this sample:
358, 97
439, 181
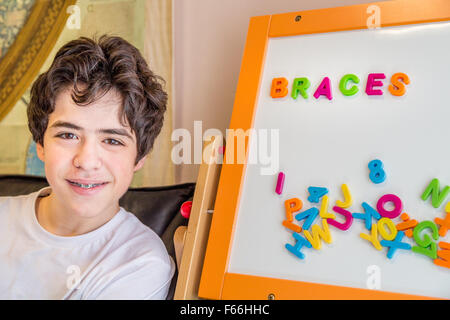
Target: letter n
437, 197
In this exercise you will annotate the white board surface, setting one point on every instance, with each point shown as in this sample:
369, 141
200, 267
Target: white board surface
327, 143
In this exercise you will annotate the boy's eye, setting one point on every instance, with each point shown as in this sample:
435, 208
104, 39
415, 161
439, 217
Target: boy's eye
67, 135
113, 142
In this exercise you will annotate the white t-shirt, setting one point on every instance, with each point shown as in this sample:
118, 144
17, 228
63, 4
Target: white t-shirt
123, 259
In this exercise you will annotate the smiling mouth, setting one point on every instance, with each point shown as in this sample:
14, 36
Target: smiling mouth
86, 186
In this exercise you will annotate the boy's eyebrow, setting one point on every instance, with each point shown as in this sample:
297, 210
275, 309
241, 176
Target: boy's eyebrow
69, 125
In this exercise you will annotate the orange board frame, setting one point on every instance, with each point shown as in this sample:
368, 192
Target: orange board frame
216, 282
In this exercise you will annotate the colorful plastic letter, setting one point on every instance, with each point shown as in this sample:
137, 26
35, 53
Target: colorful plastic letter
444, 223
310, 215
280, 183
407, 225
291, 226
382, 230
372, 82
426, 241
279, 88
444, 254
324, 214
315, 193
397, 87
343, 85
367, 216
291, 206
377, 173
298, 245
347, 198
398, 206
437, 196
372, 237
317, 234
324, 89
396, 244
348, 219
300, 85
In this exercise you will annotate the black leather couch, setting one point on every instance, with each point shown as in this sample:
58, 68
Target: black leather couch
156, 207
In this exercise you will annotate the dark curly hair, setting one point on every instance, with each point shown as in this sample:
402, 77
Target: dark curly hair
92, 68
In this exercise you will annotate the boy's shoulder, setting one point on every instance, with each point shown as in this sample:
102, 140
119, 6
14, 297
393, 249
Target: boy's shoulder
137, 241
136, 231
17, 203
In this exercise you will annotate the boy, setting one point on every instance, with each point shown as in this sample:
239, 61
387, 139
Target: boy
94, 116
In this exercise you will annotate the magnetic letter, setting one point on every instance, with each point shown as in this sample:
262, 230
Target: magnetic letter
392, 230
407, 225
398, 206
324, 89
315, 193
436, 195
291, 206
367, 216
426, 241
372, 82
347, 198
348, 219
444, 254
324, 209
372, 237
318, 233
279, 88
343, 85
300, 85
309, 216
397, 87
396, 244
298, 246
444, 223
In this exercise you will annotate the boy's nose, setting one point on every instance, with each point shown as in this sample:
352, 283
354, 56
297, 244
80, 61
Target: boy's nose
87, 157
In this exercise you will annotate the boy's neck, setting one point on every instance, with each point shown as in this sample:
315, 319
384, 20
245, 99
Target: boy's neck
61, 222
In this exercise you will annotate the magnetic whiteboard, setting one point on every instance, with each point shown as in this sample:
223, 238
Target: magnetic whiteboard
326, 143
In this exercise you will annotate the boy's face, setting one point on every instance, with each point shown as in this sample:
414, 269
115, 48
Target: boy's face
89, 156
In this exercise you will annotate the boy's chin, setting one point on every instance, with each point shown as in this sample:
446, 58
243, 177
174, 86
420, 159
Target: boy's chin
87, 206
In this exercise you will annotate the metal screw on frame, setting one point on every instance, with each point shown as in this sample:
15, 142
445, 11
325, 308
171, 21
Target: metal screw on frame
271, 296
298, 18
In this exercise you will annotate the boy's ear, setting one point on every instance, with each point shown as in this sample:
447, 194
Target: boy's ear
40, 151
140, 164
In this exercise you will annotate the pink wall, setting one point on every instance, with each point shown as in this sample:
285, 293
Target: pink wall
209, 39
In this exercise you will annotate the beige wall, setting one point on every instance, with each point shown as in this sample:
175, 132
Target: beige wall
209, 41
